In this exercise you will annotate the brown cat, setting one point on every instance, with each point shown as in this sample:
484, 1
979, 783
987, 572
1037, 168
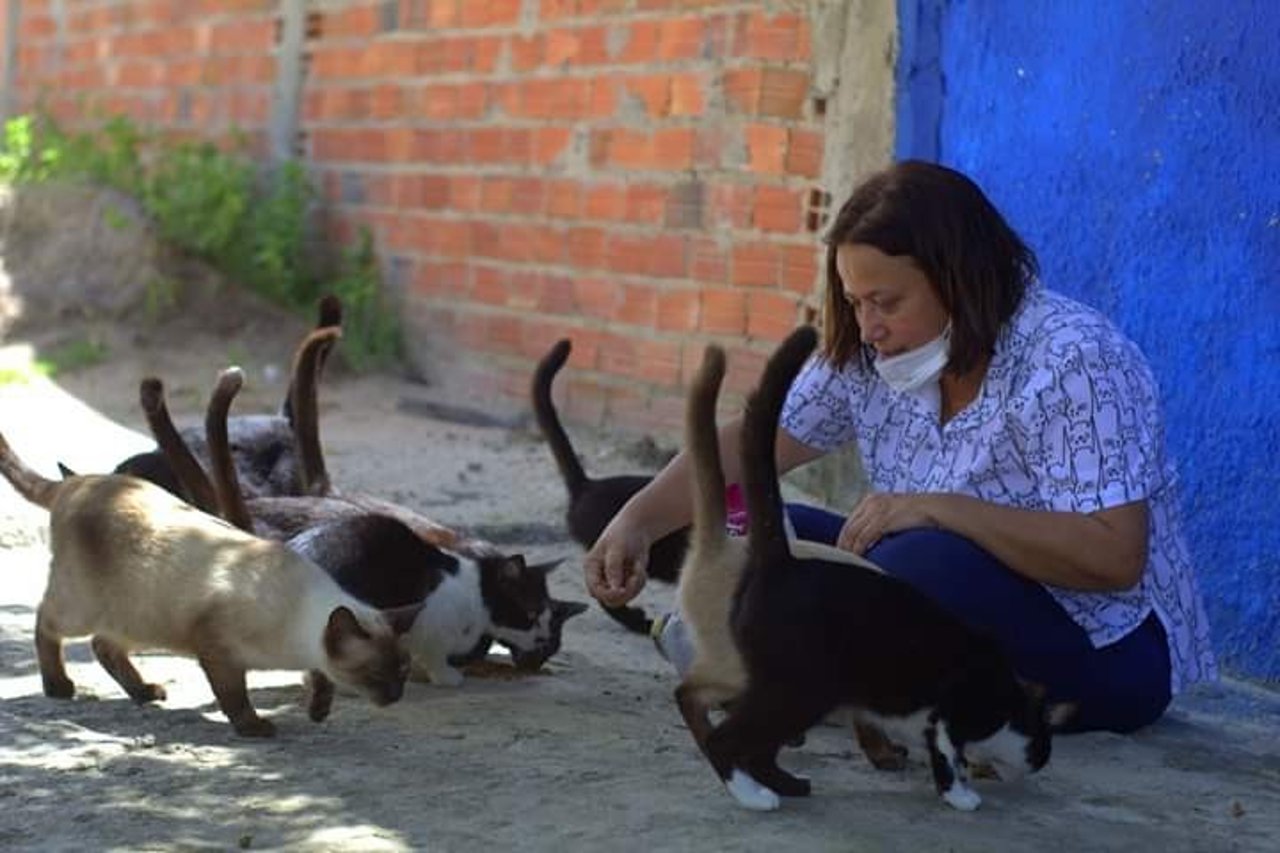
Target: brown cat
135, 567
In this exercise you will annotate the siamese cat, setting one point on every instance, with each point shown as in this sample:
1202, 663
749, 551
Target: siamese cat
594, 502
815, 636
263, 445
459, 600
136, 568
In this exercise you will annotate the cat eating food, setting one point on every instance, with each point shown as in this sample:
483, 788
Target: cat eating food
136, 568
463, 599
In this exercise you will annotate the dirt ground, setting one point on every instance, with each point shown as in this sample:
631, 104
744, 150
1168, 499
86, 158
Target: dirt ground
590, 754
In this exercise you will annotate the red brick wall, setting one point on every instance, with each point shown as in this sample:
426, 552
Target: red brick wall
197, 67
636, 174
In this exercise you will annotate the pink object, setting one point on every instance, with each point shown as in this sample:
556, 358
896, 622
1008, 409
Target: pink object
735, 505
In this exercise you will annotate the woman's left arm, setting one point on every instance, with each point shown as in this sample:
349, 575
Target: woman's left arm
1102, 551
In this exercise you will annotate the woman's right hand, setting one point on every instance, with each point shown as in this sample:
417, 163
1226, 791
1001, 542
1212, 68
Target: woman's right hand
614, 568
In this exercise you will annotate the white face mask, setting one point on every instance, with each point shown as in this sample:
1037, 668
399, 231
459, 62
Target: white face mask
915, 368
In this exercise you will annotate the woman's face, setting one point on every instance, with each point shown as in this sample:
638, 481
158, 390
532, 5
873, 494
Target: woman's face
894, 304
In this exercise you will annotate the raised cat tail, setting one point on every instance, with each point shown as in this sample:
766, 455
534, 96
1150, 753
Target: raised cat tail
575, 479
703, 444
766, 536
328, 313
226, 483
306, 411
191, 477
26, 482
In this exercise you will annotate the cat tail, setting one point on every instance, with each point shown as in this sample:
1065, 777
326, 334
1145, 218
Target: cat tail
329, 313
26, 482
306, 422
703, 444
191, 478
766, 535
575, 479
225, 480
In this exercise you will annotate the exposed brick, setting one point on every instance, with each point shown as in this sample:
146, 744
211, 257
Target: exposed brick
770, 314
678, 310
800, 265
755, 265
781, 38
645, 204
804, 153
778, 209
723, 311
605, 201
490, 13
687, 98
564, 199
639, 305
766, 148
783, 93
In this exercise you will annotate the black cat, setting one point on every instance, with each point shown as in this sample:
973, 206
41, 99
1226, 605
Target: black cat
594, 502
817, 635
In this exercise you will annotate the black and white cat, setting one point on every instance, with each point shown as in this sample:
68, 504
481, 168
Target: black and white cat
377, 558
594, 502
816, 635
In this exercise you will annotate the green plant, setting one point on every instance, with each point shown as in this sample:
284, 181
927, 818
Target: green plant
199, 197
214, 204
23, 158
370, 332
73, 356
271, 257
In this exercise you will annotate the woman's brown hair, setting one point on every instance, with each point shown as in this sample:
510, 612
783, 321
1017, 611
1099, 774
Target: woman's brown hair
978, 265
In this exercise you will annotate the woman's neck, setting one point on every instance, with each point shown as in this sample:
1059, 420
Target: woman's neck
958, 391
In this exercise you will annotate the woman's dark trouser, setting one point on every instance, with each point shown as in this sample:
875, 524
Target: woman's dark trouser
1119, 687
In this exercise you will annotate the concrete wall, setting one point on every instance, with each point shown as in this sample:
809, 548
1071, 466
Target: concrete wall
1137, 147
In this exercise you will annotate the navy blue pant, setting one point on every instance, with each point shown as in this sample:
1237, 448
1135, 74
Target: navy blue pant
1119, 688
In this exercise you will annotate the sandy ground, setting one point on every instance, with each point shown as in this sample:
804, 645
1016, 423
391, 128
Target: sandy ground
590, 754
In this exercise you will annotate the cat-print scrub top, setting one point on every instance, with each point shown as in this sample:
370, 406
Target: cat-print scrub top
1067, 419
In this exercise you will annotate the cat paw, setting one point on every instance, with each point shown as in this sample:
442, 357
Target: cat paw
148, 693
796, 786
320, 700
447, 677
254, 727
59, 688
962, 798
894, 758
751, 794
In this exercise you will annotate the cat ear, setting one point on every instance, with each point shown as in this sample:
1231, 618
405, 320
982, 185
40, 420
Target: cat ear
567, 609
547, 567
66, 472
401, 619
342, 622
342, 628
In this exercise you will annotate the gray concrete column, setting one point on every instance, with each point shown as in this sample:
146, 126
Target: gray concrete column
286, 108
9, 72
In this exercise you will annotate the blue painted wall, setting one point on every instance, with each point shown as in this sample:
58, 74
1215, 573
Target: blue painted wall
1136, 146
